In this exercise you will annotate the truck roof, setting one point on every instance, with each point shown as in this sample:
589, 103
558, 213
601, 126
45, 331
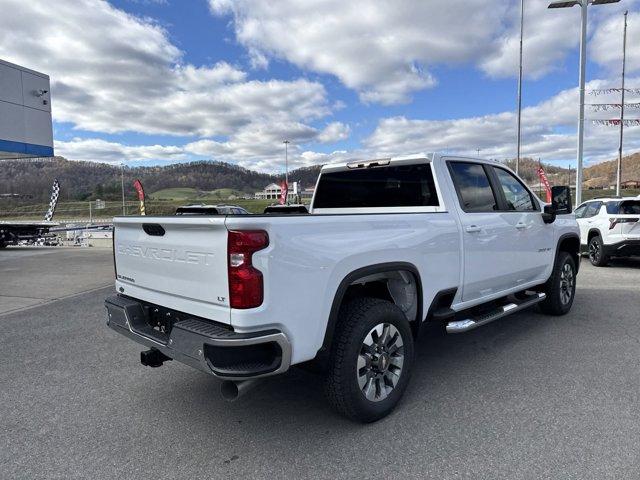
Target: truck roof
399, 159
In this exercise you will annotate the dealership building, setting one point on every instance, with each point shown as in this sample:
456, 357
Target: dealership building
25, 113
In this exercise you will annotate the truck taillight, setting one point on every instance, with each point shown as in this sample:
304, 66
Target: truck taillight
246, 289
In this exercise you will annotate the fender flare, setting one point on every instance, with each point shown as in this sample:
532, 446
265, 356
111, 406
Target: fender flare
562, 238
360, 273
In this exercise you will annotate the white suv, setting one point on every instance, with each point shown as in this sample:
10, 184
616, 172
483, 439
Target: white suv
609, 227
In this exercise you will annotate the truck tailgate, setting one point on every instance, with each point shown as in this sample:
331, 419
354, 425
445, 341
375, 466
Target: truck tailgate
176, 261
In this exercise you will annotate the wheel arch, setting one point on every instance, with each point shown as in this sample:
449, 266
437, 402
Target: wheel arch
570, 243
351, 280
594, 232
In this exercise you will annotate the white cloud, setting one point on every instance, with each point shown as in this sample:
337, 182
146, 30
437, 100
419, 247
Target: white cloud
113, 72
387, 52
548, 132
606, 43
334, 132
548, 36
381, 50
97, 150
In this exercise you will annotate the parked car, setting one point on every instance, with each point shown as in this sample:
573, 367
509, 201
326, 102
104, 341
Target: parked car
293, 208
202, 209
609, 227
388, 247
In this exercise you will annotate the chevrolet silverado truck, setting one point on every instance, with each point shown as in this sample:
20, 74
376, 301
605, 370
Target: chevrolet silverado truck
387, 247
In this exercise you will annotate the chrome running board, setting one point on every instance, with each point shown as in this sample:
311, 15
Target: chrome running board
460, 326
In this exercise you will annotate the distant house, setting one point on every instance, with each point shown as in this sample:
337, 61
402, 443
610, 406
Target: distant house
307, 193
273, 191
630, 184
270, 192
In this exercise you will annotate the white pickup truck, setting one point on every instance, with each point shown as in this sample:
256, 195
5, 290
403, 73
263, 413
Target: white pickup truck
387, 246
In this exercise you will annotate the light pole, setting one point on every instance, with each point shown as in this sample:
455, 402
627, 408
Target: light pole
624, 62
122, 186
520, 85
286, 168
584, 4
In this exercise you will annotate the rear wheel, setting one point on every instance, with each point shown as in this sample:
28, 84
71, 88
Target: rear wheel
3, 245
561, 287
371, 360
596, 252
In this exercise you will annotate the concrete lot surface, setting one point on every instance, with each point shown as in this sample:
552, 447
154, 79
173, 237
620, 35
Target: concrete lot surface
527, 397
34, 275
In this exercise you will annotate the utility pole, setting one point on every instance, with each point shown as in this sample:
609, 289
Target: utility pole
520, 87
624, 60
581, 81
122, 186
286, 168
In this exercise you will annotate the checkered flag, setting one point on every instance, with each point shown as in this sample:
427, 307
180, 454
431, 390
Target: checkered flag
55, 193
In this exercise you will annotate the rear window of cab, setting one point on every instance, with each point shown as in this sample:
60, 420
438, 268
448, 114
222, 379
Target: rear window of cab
391, 186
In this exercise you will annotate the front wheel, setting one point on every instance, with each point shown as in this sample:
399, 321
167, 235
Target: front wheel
561, 287
371, 360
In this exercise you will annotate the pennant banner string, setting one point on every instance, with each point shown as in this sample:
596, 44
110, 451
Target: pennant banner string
607, 91
603, 107
612, 123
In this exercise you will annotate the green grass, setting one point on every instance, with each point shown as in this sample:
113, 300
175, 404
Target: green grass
193, 195
80, 210
156, 206
589, 194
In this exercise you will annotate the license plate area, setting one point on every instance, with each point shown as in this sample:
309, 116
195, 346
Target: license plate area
156, 322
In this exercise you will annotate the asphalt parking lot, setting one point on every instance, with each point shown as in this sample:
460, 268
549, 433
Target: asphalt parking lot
526, 397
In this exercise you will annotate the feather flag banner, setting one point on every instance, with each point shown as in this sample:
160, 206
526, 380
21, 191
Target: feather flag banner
545, 182
138, 186
53, 201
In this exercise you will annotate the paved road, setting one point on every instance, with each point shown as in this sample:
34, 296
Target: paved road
35, 275
527, 397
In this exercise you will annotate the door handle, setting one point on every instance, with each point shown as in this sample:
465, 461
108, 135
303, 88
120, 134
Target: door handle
472, 229
521, 225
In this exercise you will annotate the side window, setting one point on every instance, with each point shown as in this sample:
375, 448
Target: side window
473, 187
592, 209
517, 196
612, 208
580, 211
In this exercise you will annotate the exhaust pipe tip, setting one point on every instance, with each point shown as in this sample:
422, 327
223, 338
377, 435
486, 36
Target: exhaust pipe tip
231, 390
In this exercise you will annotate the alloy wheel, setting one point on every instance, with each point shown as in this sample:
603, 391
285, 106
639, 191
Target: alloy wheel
567, 279
380, 362
594, 251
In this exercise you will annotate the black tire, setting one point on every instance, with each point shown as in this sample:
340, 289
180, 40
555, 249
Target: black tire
597, 257
3, 245
560, 289
355, 327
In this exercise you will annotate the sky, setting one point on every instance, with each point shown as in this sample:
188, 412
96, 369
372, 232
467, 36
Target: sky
152, 82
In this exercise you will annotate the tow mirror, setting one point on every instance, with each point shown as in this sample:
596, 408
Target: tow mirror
561, 200
560, 204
